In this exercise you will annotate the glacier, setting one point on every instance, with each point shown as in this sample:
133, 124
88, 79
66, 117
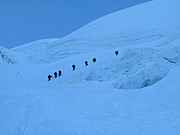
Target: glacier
136, 92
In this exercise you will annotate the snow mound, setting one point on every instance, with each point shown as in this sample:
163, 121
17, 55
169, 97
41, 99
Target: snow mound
6, 56
136, 68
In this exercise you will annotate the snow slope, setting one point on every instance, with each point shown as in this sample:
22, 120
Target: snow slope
136, 92
67, 105
157, 21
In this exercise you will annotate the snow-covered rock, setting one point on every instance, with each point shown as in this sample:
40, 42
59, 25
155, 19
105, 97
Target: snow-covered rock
6, 56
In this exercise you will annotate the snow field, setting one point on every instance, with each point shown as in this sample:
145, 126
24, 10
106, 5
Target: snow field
92, 108
136, 92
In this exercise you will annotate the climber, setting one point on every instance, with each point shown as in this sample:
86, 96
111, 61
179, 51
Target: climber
60, 73
55, 74
94, 59
73, 66
86, 63
49, 77
116, 52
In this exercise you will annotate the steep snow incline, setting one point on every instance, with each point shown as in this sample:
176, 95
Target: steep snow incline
157, 22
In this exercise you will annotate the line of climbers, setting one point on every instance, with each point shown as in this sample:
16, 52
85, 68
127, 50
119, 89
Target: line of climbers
55, 75
73, 68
